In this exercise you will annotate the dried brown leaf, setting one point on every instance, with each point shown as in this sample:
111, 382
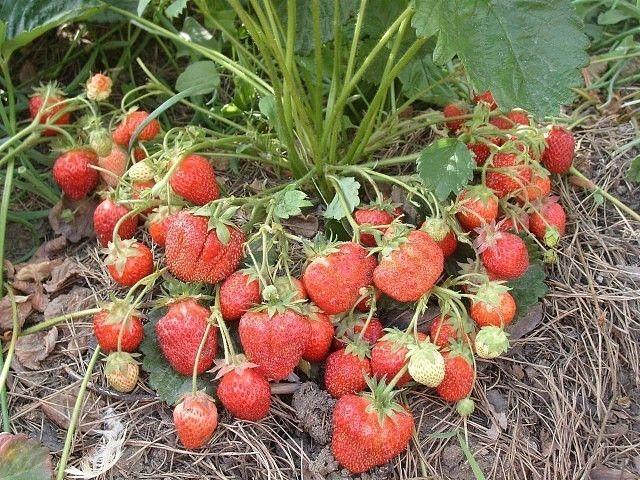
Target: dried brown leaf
78, 298
33, 349
39, 300
526, 324
51, 248
606, 473
59, 407
6, 314
62, 274
304, 225
73, 219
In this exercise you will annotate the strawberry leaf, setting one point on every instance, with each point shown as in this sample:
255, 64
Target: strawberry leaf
290, 203
634, 170
349, 188
23, 458
510, 47
203, 74
445, 167
168, 384
529, 288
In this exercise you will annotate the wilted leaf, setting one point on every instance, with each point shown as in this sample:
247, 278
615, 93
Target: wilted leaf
73, 219
33, 349
39, 301
6, 312
78, 298
62, 274
22, 458
168, 384
289, 203
59, 407
446, 166
51, 248
349, 188
526, 323
36, 271
304, 225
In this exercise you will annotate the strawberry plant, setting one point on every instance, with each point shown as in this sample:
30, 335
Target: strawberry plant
319, 93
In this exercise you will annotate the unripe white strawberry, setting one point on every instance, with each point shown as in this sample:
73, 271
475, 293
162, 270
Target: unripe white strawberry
141, 172
426, 365
122, 371
491, 342
100, 141
465, 407
437, 228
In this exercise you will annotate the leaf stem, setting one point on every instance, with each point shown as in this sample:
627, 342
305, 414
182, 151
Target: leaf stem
75, 416
56, 320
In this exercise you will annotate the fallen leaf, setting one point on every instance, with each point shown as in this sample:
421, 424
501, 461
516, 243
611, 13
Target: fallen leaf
9, 270
23, 458
304, 225
6, 314
24, 287
33, 349
36, 271
526, 324
73, 219
59, 407
51, 248
62, 274
78, 298
606, 473
39, 300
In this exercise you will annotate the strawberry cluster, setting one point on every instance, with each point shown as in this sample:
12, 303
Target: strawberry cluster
330, 313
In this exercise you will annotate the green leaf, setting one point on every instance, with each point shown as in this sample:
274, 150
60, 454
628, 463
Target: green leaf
349, 188
142, 6
304, 21
420, 78
527, 53
634, 170
529, 288
176, 8
289, 203
446, 166
611, 17
168, 384
26, 20
203, 73
23, 458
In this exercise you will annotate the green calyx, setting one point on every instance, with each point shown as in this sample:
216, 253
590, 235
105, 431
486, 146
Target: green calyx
395, 236
490, 293
479, 192
385, 205
220, 219
383, 402
120, 310
320, 246
173, 290
276, 302
358, 348
117, 362
491, 342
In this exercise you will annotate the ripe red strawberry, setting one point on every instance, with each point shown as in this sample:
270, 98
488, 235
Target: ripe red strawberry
445, 330
129, 261
512, 175
195, 180
501, 122
372, 217
410, 264
346, 370
481, 152
105, 218
122, 372
196, 253
336, 274
320, 336
245, 393
239, 292
493, 305
519, 117
48, 100
459, 375
549, 222
274, 342
448, 244
516, 224
454, 110
139, 154
350, 327
123, 132
389, 355
477, 205
369, 430
179, 333
364, 305
73, 173
558, 154
538, 187
115, 164
441, 233
503, 254
108, 322
195, 418
158, 223
485, 97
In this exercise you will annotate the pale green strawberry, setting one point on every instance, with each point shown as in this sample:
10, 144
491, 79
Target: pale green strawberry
426, 365
437, 228
465, 407
141, 172
491, 342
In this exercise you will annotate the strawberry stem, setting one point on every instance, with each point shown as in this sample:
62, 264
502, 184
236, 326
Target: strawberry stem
4, 373
194, 377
